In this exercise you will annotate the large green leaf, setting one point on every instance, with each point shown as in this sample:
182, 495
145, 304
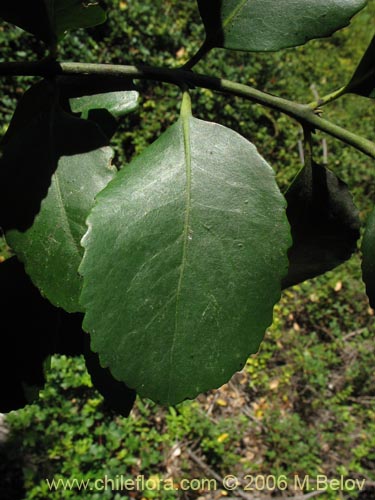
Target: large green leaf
363, 80
368, 258
50, 19
184, 257
267, 25
324, 221
71, 151
28, 333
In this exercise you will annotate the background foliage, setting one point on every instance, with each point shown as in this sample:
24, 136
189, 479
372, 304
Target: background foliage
305, 403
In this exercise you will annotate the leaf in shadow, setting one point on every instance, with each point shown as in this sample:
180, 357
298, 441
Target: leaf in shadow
49, 20
73, 341
28, 334
70, 337
324, 222
363, 80
368, 258
40, 134
117, 395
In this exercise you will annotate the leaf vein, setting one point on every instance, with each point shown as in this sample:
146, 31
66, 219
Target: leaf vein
185, 118
65, 218
235, 12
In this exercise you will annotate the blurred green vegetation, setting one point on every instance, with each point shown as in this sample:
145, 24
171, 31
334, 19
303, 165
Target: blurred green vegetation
305, 403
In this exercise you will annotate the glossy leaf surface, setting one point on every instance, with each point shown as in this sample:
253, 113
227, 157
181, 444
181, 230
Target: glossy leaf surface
324, 222
80, 167
28, 332
269, 25
368, 258
183, 262
363, 80
48, 20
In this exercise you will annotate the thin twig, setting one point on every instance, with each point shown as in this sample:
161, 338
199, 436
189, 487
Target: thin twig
203, 50
240, 493
303, 497
203, 465
207, 469
322, 101
301, 152
300, 112
353, 334
325, 151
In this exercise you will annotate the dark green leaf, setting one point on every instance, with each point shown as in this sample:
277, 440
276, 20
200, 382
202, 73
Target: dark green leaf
324, 222
184, 256
70, 149
368, 258
28, 334
267, 25
363, 80
69, 15
48, 20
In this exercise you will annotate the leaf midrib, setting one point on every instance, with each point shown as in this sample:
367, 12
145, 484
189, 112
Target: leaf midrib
221, 29
229, 19
55, 177
234, 13
185, 119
